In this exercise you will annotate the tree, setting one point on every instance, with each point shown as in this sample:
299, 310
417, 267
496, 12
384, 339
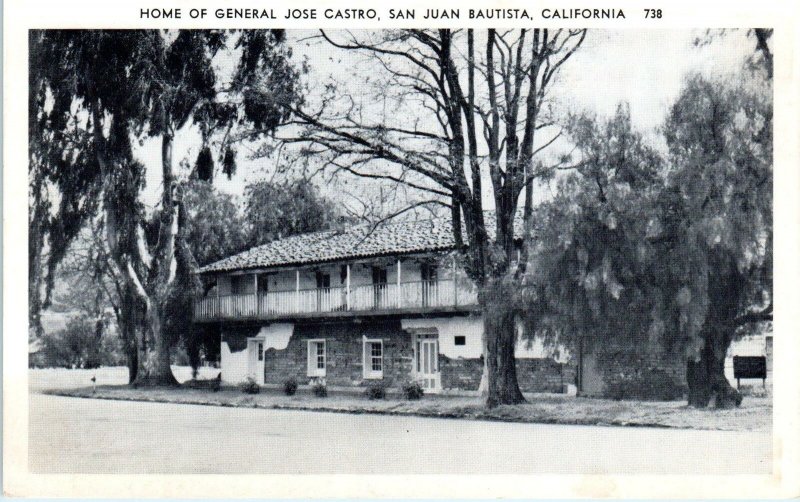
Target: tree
84, 343
635, 247
593, 273
92, 287
456, 108
276, 210
720, 144
215, 226
149, 84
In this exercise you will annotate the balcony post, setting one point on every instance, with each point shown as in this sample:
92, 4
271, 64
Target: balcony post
255, 294
217, 307
297, 291
399, 291
347, 289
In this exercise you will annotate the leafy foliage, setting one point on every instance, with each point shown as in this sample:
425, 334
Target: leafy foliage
376, 391
671, 249
249, 386
413, 391
275, 210
290, 386
592, 257
83, 343
320, 389
92, 93
214, 222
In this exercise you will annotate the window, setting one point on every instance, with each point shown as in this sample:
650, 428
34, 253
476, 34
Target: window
260, 351
263, 283
373, 358
241, 284
429, 272
237, 285
323, 280
379, 281
430, 291
460, 340
316, 358
379, 275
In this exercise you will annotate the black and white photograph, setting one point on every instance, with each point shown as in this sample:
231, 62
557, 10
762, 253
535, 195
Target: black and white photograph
445, 251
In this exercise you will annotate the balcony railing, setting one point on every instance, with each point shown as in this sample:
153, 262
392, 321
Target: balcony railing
422, 295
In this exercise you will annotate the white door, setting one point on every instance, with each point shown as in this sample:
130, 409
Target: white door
427, 363
255, 360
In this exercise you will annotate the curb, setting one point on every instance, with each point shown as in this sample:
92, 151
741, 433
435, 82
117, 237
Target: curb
389, 412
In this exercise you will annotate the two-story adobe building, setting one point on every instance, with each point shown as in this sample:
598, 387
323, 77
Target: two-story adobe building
351, 306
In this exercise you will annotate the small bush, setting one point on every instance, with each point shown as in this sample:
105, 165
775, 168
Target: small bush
250, 386
290, 387
376, 391
320, 389
205, 384
413, 391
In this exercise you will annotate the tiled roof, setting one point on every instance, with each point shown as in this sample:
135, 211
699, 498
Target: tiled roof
360, 241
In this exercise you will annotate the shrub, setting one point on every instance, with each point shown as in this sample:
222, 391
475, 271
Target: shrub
320, 389
290, 387
376, 391
413, 391
250, 386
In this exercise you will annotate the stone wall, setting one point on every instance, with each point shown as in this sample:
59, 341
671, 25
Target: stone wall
286, 353
343, 346
633, 371
533, 374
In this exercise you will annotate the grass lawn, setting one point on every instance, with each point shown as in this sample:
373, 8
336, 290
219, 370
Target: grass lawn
755, 414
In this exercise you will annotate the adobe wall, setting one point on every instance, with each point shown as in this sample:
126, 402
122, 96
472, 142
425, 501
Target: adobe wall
344, 346
461, 366
633, 371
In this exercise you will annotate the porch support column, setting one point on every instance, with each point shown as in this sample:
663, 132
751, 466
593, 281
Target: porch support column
297, 290
255, 294
217, 301
399, 291
347, 288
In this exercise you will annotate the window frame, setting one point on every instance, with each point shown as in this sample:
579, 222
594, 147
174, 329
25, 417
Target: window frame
366, 359
314, 370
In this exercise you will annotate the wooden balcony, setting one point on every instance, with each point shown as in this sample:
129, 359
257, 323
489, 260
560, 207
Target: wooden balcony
422, 296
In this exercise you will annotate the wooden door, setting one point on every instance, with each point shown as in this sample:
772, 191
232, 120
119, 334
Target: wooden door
427, 362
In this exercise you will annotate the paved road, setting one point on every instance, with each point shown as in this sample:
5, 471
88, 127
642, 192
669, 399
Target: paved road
70, 435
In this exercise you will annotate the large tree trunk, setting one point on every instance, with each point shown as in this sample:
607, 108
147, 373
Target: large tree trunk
500, 336
155, 370
708, 387
128, 326
705, 374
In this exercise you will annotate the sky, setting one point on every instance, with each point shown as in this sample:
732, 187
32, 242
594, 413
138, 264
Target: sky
644, 68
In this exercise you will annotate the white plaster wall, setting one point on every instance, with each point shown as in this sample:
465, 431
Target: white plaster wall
535, 349
472, 329
448, 327
233, 365
276, 336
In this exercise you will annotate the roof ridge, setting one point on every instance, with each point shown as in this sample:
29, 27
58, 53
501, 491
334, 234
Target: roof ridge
386, 223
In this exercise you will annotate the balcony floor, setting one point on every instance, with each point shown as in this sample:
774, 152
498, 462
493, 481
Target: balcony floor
344, 314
